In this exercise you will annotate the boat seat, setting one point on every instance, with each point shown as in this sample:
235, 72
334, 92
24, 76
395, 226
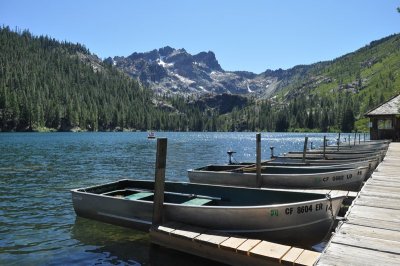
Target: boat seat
139, 195
196, 202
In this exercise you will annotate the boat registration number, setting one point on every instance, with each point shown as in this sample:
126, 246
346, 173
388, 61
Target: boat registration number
302, 209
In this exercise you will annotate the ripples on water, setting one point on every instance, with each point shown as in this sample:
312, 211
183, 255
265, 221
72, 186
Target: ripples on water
38, 225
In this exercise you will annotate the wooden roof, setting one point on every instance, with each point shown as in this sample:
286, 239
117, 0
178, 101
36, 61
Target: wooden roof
391, 107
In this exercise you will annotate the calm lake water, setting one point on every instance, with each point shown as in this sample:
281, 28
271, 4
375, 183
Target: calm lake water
38, 225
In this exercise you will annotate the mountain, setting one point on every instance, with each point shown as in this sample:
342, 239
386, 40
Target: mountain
50, 85
47, 84
368, 76
361, 73
332, 95
175, 71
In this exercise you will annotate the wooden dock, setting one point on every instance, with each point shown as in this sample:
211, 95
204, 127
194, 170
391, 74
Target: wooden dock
225, 248
235, 250
370, 234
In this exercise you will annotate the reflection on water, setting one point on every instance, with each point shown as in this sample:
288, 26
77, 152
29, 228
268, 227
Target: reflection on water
111, 244
38, 225
121, 246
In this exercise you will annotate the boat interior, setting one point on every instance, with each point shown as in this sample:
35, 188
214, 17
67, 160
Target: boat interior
170, 197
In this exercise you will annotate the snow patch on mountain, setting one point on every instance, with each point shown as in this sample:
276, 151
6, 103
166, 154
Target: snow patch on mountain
175, 71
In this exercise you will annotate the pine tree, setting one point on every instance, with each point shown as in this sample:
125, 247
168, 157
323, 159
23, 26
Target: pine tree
348, 121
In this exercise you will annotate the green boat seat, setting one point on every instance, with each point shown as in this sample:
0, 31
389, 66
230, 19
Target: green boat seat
139, 195
196, 202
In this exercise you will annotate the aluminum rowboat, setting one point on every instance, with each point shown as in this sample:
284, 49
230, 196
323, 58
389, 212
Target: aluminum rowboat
289, 177
281, 216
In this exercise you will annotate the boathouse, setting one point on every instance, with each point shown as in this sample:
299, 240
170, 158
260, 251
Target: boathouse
385, 120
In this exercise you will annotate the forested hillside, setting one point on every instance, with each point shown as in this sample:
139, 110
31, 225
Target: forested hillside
50, 85
332, 95
46, 84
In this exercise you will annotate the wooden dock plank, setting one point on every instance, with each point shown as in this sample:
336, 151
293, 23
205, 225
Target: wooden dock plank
373, 223
382, 183
232, 243
392, 177
291, 256
381, 194
169, 227
368, 243
352, 194
307, 257
338, 254
376, 213
388, 203
387, 167
381, 189
269, 250
247, 245
188, 232
385, 179
168, 230
211, 238
379, 233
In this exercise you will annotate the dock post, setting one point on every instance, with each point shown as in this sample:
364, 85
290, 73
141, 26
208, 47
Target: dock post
355, 138
305, 149
258, 159
338, 142
349, 141
324, 147
159, 181
359, 138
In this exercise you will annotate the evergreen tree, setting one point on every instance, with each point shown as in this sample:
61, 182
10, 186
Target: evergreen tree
348, 121
282, 123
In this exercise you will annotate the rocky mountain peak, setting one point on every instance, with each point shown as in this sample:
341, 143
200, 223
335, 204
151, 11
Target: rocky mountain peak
175, 71
166, 51
208, 58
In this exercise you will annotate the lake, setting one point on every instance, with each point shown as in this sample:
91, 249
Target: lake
38, 225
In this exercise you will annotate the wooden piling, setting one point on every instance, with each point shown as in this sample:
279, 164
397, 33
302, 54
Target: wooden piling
355, 138
305, 149
161, 161
258, 159
324, 146
338, 142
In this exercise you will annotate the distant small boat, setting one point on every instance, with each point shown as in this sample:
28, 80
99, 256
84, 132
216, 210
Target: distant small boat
281, 216
151, 135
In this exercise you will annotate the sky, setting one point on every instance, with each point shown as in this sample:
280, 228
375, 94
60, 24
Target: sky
244, 35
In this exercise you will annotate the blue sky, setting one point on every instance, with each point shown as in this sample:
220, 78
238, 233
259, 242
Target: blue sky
245, 35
